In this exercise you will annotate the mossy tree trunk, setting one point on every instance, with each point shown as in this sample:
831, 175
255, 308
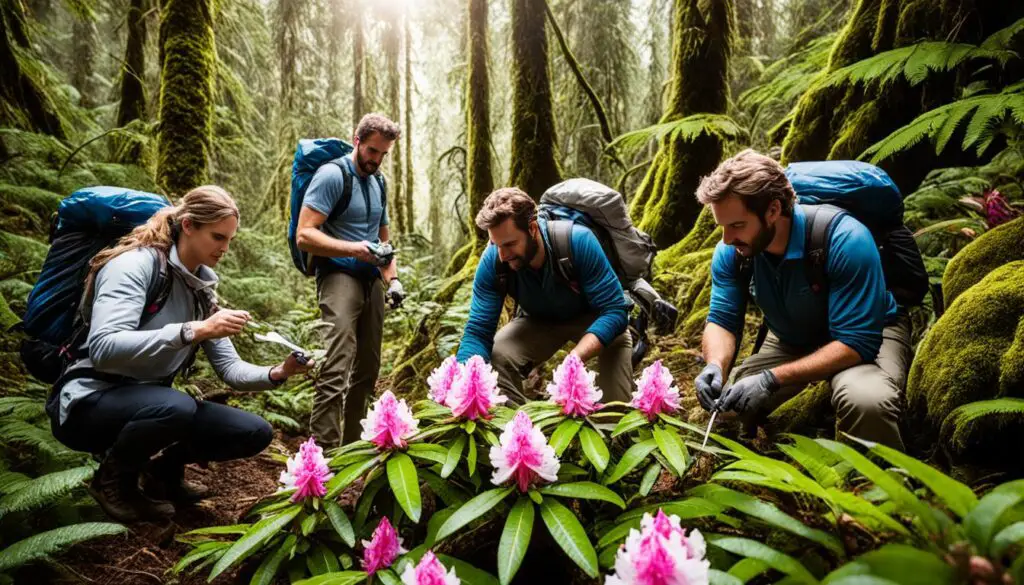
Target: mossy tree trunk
664, 205
358, 48
396, 198
84, 40
287, 41
186, 94
132, 103
479, 178
842, 121
410, 211
534, 164
27, 105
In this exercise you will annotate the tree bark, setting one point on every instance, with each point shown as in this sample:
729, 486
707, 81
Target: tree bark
396, 195
132, 105
357, 65
479, 178
410, 211
29, 107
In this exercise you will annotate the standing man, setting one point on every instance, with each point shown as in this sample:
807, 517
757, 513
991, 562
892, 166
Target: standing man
851, 334
354, 268
517, 263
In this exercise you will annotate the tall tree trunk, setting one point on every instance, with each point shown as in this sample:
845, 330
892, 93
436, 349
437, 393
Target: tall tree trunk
479, 178
288, 50
132, 103
396, 197
334, 38
664, 205
26, 104
410, 210
186, 94
357, 65
84, 41
534, 165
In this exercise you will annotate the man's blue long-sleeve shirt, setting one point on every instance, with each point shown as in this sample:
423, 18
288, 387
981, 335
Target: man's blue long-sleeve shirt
857, 304
542, 295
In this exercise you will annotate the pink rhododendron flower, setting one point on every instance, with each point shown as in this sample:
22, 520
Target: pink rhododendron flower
475, 391
306, 472
655, 392
523, 454
441, 379
430, 571
661, 553
383, 547
388, 423
573, 387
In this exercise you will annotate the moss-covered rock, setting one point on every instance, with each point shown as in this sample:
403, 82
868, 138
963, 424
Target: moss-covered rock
807, 413
991, 250
7, 316
20, 257
16, 292
26, 210
964, 358
985, 435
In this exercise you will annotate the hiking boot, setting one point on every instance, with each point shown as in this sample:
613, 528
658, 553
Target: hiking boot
165, 480
116, 489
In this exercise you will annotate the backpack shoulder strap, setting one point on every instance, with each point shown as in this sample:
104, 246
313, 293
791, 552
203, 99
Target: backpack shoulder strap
159, 288
744, 270
560, 237
816, 244
383, 184
504, 275
346, 190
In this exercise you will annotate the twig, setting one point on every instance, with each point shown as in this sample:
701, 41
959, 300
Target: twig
132, 571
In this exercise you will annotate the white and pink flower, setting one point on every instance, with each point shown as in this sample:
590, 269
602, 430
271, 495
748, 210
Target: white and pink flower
306, 472
474, 391
655, 392
441, 379
383, 547
430, 571
523, 455
389, 422
661, 553
573, 388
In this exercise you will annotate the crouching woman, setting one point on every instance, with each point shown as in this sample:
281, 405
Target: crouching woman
117, 401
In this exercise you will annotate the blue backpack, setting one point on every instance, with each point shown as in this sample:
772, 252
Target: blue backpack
829, 189
87, 221
310, 155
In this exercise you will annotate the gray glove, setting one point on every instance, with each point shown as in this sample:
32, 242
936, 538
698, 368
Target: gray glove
395, 294
383, 252
749, 395
709, 386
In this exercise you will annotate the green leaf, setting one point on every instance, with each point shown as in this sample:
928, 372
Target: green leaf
450, 494
428, 452
340, 522
366, 499
203, 551
1006, 537
584, 490
781, 562
51, 542
357, 456
901, 563
437, 519
862, 580
267, 570
671, 446
807, 456
716, 577
983, 521
594, 448
472, 510
865, 512
768, 513
957, 496
650, 476
515, 539
564, 434
469, 426
254, 539
630, 459
454, 455
198, 534
567, 531
44, 490
387, 577
320, 561
633, 419
747, 568
471, 457
339, 578
346, 476
405, 485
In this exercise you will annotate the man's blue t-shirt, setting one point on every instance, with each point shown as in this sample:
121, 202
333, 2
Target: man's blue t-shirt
542, 295
363, 218
854, 310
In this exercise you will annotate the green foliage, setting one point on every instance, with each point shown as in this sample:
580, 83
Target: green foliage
687, 129
51, 542
913, 63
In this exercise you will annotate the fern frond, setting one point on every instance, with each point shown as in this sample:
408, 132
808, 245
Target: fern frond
12, 480
688, 128
913, 63
992, 414
19, 431
44, 490
1003, 39
22, 407
51, 542
787, 79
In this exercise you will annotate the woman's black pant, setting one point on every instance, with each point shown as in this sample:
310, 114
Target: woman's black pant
134, 422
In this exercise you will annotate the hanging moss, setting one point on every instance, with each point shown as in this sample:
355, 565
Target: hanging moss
479, 179
664, 205
534, 164
990, 251
186, 94
964, 353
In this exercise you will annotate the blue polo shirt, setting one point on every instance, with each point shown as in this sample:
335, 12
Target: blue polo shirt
542, 295
854, 310
362, 219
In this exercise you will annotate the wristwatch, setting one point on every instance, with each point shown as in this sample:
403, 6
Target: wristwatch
187, 334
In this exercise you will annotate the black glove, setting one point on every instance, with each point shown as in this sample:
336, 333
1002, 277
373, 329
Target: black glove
709, 386
749, 395
395, 294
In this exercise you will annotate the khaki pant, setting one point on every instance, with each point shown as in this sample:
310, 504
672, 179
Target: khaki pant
355, 310
866, 397
524, 343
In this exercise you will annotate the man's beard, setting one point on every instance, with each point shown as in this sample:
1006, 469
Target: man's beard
531, 252
367, 167
760, 243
